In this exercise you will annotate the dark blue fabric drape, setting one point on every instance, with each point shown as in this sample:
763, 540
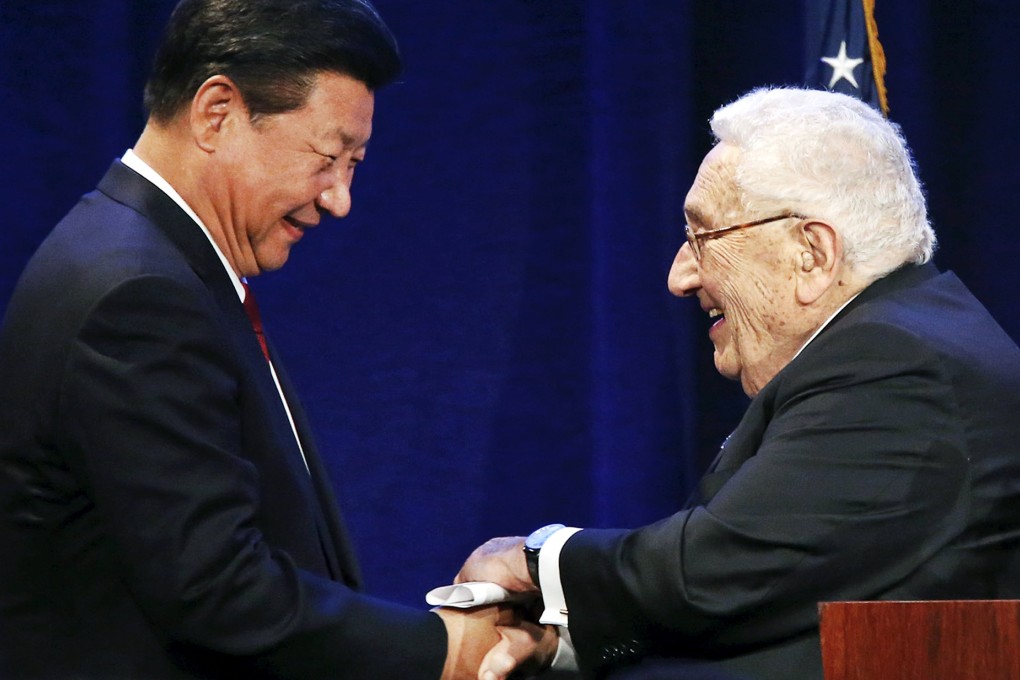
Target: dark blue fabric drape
487, 344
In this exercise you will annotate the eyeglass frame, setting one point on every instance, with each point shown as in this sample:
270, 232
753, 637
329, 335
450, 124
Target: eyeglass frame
693, 238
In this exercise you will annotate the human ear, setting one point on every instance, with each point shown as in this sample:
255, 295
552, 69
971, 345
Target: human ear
216, 104
818, 261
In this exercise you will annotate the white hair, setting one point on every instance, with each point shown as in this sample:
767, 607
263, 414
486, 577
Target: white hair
833, 157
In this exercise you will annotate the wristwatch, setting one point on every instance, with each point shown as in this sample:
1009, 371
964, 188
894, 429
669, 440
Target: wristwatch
533, 546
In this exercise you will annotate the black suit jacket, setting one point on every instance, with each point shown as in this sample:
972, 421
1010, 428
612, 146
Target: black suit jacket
881, 463
156, 516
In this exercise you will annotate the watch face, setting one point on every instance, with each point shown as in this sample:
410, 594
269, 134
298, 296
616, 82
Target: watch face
539, 536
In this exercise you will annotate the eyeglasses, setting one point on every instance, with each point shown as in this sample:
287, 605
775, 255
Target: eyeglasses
695, 238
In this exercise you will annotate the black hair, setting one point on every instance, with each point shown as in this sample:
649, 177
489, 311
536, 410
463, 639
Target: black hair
271, 49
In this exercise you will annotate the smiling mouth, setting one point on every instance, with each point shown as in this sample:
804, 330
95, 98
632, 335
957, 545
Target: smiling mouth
297, 224
295, 228
717, 317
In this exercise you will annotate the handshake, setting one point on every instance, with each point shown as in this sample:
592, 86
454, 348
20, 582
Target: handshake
502, 639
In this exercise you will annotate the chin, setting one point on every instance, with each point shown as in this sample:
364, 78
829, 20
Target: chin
271, 261
271, 264
729, 366
725, 370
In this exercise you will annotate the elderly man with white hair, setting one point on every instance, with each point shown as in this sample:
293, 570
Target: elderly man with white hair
879, 457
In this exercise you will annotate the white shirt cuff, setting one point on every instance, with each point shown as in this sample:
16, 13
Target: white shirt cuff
549, 578
565, 658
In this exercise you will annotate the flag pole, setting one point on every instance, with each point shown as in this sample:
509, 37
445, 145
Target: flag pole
877, 55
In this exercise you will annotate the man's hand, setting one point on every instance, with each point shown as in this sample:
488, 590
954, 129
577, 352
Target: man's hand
501, 561
526, 647
471, 634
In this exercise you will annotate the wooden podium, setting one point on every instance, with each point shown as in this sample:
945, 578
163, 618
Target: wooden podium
924, 640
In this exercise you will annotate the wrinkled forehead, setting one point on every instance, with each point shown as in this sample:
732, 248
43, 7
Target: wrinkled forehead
714, 199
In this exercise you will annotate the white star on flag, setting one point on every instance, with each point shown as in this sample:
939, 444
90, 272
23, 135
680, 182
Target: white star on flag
842, 67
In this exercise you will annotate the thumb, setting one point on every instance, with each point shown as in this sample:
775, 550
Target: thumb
526, 645
499, 662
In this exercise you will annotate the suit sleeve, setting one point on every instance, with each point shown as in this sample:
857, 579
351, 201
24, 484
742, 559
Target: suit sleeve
151, 416
856, 481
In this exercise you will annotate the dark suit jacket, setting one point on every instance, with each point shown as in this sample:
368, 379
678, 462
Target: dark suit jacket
881, 463
156, 517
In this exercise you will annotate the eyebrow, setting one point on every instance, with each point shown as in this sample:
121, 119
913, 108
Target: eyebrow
348, 140
694, 215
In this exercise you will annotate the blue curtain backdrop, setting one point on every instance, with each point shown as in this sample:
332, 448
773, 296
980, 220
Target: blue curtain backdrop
487, 344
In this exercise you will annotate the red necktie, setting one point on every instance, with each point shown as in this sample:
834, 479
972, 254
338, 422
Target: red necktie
251, 308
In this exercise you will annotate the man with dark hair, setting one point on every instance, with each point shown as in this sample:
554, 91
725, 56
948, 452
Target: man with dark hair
163, 510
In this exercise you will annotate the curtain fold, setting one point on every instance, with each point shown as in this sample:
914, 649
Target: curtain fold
487, 343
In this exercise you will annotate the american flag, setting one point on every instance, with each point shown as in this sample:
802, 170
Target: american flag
843, 51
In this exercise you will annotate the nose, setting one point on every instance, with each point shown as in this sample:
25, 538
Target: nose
336, 198
685, 275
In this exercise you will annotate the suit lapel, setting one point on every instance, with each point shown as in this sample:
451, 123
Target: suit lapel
332, 531
745, 440
126, 186
131, 189
739, 446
